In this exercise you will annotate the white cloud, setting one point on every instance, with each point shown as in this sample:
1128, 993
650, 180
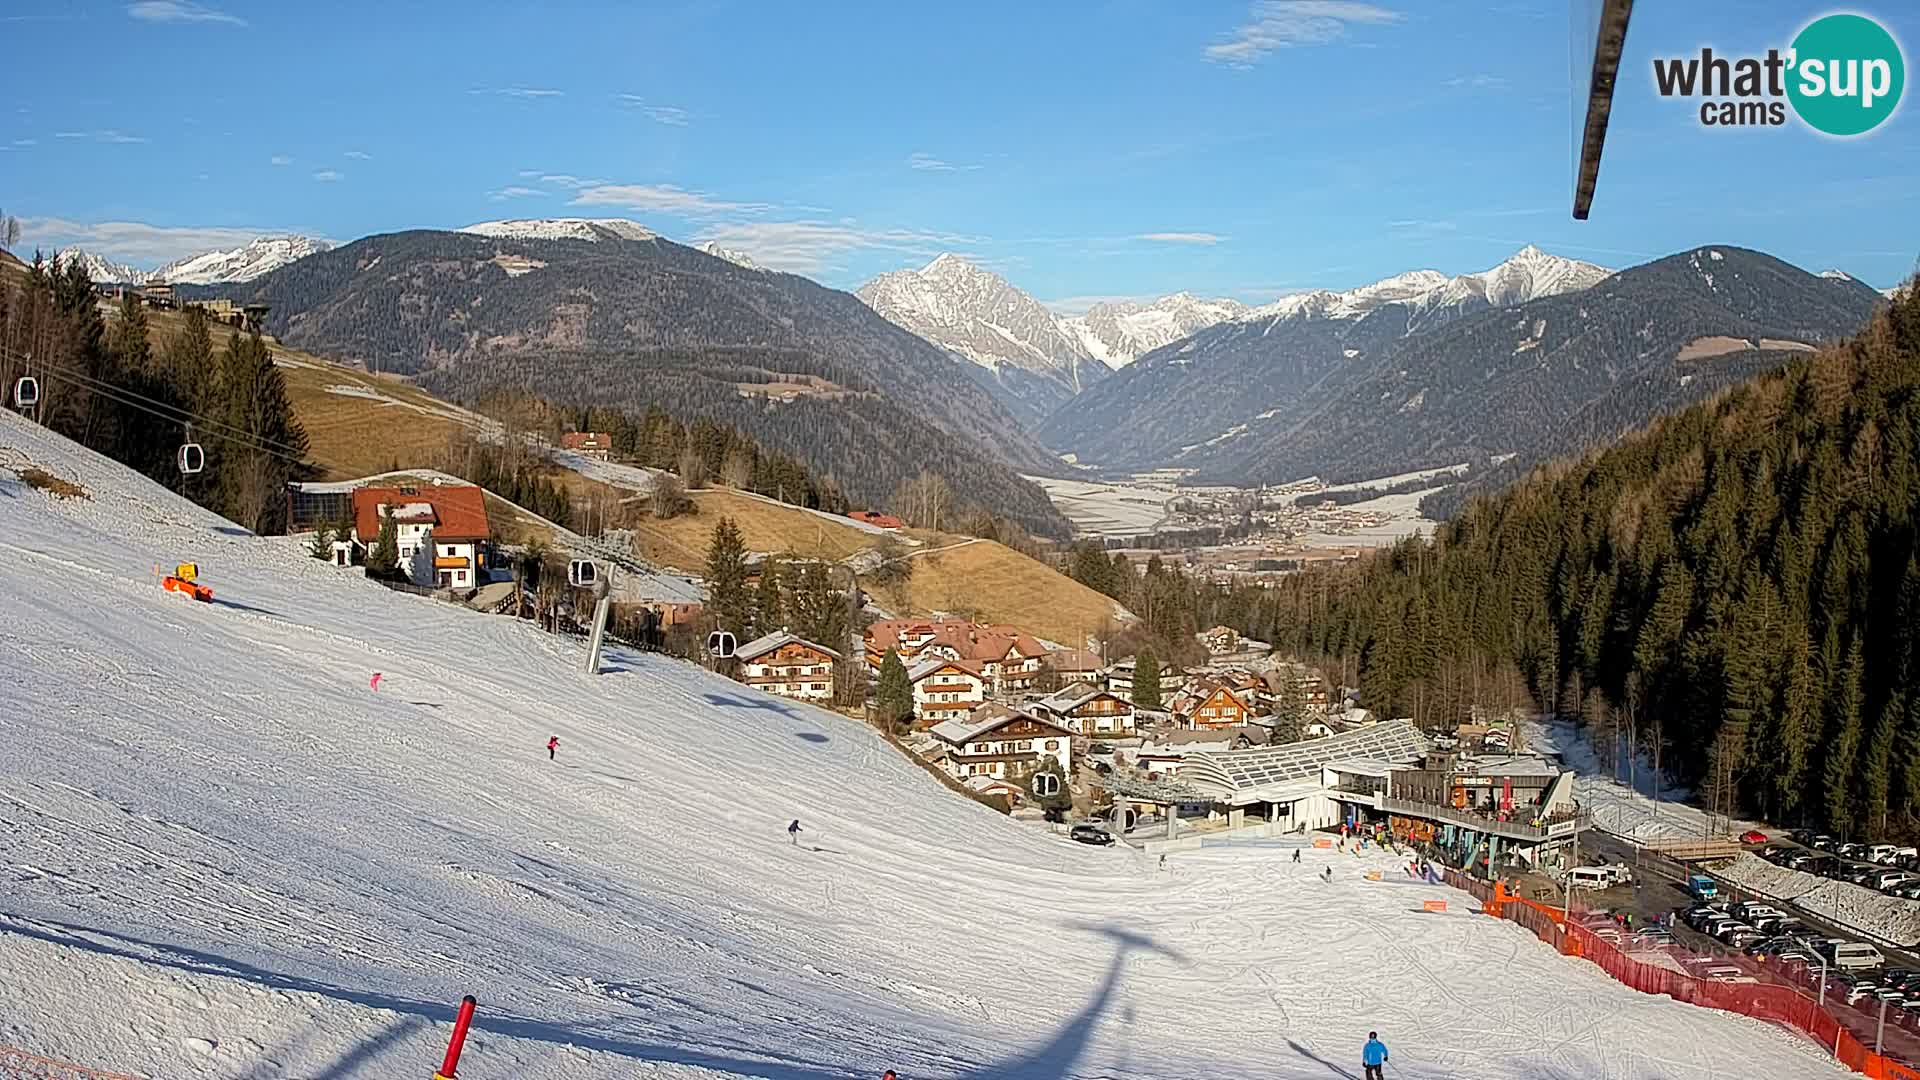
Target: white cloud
567, 180
136, 242
518, 91
359, 155
530, 174
26, 142
1285, 24
1479, 82
1206, 238
103, 136
180, 11
280, 160
665, 114
513, 192
809, 246
662, 197
327, 176
928, 163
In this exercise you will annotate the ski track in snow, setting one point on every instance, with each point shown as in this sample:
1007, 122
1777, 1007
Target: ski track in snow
223, 855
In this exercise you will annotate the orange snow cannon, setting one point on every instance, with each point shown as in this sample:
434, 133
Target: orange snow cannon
182, 580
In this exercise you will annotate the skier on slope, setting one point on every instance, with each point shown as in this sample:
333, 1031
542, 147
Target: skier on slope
1373, 1055
1296, 856
793, 832
553, 744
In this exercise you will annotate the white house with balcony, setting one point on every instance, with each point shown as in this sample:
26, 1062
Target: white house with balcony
1003, 744
945, 689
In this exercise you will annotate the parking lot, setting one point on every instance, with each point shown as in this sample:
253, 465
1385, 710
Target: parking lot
1771, 942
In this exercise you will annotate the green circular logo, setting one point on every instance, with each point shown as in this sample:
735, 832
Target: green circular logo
1847, 75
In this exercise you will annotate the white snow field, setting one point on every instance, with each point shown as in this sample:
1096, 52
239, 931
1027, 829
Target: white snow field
222, 854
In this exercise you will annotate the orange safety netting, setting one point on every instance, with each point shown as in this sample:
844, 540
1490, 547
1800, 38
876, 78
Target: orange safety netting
1781, 993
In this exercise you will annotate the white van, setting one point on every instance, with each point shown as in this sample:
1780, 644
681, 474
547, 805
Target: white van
1856, 956
1587, 877
1881, 853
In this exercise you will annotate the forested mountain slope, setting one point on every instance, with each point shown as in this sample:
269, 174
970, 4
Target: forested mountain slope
1740, 583
1559, 374
625, 321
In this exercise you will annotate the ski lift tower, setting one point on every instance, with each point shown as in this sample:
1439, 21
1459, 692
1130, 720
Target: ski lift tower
1598, 37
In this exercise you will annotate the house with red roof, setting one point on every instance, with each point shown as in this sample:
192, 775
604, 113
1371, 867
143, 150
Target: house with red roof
443, 532
588, 444
1007, 657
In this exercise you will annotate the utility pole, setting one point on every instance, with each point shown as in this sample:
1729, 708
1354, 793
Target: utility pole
1566, 904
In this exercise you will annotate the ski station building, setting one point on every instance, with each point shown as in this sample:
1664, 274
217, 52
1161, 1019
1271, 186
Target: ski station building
1479, 811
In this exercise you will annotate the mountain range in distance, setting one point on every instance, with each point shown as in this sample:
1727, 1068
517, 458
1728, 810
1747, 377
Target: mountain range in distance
262, 255
1498, 369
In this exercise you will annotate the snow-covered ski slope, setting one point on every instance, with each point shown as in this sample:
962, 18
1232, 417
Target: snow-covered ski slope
222, 854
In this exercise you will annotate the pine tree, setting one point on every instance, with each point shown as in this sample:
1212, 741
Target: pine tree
262, 442
893, 697
321, 547
769, 610
383, 558
1843, 741
1146, 679
727, 597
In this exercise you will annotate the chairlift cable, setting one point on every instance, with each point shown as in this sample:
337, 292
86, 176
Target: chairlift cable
184, 415
135, 401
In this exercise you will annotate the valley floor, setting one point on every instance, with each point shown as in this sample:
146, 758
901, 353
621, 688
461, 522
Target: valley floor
223, 854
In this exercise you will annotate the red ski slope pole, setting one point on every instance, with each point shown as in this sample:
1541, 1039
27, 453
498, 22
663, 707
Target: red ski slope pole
458, 1041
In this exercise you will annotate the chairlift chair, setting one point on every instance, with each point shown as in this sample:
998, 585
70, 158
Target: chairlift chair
26, 392
582, 573
191, 458
721, 644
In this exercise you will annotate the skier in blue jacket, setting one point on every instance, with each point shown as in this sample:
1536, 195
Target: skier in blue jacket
1373, 1055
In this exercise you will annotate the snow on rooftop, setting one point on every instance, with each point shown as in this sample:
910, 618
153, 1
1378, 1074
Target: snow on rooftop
229, 857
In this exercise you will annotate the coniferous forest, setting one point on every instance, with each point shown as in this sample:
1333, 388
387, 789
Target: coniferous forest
116, 389
1737, 586
1734, 591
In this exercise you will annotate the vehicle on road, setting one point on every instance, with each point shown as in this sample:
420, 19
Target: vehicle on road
1702, 887
1090, 834
1753, 836
1587, 877
1856, 956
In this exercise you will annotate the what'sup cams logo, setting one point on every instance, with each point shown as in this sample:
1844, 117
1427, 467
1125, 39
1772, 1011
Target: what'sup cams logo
1842, 76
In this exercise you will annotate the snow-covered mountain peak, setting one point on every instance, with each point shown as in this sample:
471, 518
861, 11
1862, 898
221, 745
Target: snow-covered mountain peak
592, 230
978, 316
737, 258
1528, 274
1119, 332
262, 255
1837, 275
100, 269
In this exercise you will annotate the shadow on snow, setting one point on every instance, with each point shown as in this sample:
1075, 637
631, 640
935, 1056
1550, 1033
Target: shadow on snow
1049, 1060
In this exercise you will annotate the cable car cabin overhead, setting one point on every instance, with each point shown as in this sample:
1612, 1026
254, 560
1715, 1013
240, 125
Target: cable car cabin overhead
26, 392
192, 458
582, 573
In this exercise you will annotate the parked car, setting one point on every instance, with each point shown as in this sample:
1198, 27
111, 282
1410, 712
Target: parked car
1090, 834
1856, 956
1881, 853
1821, 841
1753, 836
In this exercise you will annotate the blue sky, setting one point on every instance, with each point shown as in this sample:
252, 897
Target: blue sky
1099, 148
